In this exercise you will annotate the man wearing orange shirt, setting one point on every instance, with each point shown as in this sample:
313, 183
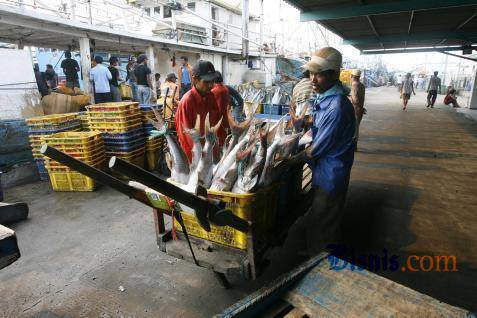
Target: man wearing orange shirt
199, 100
222, 97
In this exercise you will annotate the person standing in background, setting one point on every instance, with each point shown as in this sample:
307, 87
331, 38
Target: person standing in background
222, 98
357, 99
432, 89
51, 77
184, 74
144, 81
170, 83
70, 68
40, 81
100, 76
130, 77
115, 78
407, 87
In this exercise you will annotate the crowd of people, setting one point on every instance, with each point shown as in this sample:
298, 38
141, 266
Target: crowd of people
434, 86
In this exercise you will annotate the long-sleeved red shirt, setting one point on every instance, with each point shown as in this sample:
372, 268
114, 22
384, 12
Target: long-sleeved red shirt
191, 104
222, 97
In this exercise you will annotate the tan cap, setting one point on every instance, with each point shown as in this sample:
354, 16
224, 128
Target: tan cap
324, 59
356, 72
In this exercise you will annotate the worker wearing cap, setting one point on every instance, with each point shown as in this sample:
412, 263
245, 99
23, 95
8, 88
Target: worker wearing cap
199, 100
357, 99
331, 153
222, 97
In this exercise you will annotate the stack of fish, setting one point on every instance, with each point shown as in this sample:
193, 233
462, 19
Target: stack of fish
121, 126
39, 127
249, 160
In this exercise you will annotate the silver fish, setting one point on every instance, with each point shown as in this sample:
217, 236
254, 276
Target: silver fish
194, 134
247, 181
306, 138
179, 163
267, 175
206, 163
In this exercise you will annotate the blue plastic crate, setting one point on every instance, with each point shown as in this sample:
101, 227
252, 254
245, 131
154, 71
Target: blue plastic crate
131, 135
145, 107
128, 147
271, 109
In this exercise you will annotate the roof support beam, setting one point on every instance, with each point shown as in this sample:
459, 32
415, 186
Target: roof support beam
348, 11
371, 24
417, 50
410, 37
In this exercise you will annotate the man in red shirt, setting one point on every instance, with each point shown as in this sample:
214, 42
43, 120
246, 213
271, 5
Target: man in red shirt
199, 101
222, 97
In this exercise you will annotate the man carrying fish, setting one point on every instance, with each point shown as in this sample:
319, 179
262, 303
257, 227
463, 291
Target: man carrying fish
197, 103
332, 149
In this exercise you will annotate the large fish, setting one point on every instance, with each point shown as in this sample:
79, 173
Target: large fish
267, 176
206, 163
179, 164
194, 134
248, 180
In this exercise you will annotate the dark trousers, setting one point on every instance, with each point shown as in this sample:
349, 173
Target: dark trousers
323, 221
431, 97
103, 98
184, 89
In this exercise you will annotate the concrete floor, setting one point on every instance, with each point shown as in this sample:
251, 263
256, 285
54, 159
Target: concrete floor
412, 192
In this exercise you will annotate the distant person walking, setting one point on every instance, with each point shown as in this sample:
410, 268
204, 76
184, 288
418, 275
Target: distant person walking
70, 68
432, 88
115, 78
100, 76
357, 99
157, 78
184, 75
407, 87
144, 81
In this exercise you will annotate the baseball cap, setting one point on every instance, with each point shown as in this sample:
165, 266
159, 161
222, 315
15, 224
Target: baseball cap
324, 59
205, 70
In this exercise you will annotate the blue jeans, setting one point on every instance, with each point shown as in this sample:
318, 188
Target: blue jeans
143, 94
134, 90
184, 89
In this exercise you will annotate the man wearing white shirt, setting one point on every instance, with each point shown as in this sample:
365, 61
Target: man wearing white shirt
100, 76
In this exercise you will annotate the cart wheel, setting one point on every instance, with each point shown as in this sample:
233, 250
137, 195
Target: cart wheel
223, 281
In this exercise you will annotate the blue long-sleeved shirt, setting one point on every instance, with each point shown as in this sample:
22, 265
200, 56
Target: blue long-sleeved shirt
333, 145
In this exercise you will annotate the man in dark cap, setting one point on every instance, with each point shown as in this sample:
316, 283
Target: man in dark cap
143, 80
199, 100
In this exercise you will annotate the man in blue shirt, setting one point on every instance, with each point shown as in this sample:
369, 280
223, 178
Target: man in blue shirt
332, 150
184, 76
100, 76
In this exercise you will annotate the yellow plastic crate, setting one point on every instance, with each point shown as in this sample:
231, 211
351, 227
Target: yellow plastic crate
50, 119
108, 114
100, 164
260, 208
80, 138
115, 127
88, 160
152, 156
117, 119
71, 181
113, 106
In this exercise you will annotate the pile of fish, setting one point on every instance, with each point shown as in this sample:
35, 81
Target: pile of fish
249, 160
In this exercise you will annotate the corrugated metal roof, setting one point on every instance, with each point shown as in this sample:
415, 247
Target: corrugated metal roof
391, 24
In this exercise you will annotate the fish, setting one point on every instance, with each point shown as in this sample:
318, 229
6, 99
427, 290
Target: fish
298, 121
267, 177
237, 131
178, 161
194, 134
228, 162
248, 180
306, 138
206, 163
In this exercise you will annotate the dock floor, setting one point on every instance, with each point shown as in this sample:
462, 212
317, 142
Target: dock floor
412, 192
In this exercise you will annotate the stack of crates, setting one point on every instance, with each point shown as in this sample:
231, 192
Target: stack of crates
85, 146
39, 127
154, 145
83, 118
122, 129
